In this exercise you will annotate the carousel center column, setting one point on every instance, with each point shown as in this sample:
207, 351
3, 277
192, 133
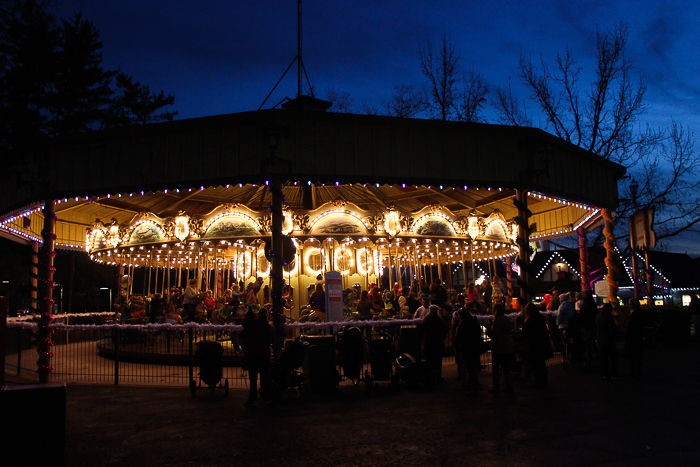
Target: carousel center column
523, 260
276, 168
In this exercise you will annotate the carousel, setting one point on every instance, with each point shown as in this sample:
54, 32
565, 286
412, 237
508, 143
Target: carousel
290, 194
230, 244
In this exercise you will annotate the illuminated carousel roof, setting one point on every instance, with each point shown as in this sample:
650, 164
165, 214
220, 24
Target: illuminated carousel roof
375, 163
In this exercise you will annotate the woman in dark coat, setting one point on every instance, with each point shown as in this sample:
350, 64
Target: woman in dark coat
434, 333
256, 339
538, 347
469, 343
605, 338
634, 339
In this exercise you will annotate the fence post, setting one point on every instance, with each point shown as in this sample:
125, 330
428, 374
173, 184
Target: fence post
190, 343
19, 351
3, 337
116, 356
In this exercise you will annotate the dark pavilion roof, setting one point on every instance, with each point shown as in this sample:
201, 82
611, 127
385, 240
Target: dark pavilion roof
371, 161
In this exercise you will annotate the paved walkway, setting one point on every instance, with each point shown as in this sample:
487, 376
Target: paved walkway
581, 420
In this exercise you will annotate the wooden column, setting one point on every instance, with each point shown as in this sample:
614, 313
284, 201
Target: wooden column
277, 266
33, 281
583, 259
46, 272
524, 245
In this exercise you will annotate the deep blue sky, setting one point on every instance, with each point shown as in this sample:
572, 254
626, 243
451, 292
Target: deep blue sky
220, 57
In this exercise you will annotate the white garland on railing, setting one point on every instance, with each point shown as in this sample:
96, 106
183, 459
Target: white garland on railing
235, 327
17, 319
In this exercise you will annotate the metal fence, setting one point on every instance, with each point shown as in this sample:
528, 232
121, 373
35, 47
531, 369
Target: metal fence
165, 354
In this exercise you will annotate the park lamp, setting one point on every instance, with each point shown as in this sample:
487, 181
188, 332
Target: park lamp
633, 189
634, 186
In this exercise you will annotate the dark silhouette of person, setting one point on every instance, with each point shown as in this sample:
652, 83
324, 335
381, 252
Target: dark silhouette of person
634, 339
256, 339
538, 348
434, 333
605, 337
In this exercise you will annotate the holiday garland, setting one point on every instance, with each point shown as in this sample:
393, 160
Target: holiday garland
610, 248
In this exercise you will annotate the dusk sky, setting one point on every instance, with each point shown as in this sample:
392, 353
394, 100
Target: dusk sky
221, 57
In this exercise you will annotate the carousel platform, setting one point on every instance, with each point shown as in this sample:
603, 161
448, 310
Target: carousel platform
164, 349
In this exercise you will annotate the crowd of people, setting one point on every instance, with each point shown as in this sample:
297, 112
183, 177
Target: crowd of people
543, 327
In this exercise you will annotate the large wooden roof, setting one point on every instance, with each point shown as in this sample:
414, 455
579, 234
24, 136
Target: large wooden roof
372, 161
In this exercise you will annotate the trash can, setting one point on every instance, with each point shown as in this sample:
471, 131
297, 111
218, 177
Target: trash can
409, 341
319, 363
22, 409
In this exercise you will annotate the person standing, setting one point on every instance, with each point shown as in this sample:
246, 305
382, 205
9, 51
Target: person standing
605, 333
564, 313
634, 339
589, 311
423, 310
538, 348
256, 339
190, 300
501, 349
469, 343
433, 332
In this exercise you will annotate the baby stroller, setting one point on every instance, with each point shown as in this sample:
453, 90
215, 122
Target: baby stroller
284, 370
210, 358
413, 372
353, 352
381, 350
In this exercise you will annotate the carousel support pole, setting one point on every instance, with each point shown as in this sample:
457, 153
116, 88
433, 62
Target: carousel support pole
610, 256
120, 274
167, 273
473, 264
523, 241
583, 258
509, 278
464, 267
146, 273
439, 263
391, 280
276, 269
46, 256
300, 264
33, 282
366, 269
155, 288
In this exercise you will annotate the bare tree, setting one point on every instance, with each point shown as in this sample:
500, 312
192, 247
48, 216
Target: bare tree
510, 111
473, 98
342, 101
368, 109
445, 100
441, 69
406, 101
605, 120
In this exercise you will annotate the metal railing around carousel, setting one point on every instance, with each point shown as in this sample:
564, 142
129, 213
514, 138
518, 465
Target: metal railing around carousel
89, 348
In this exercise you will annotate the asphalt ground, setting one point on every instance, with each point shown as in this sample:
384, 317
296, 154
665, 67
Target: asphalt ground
580, 420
